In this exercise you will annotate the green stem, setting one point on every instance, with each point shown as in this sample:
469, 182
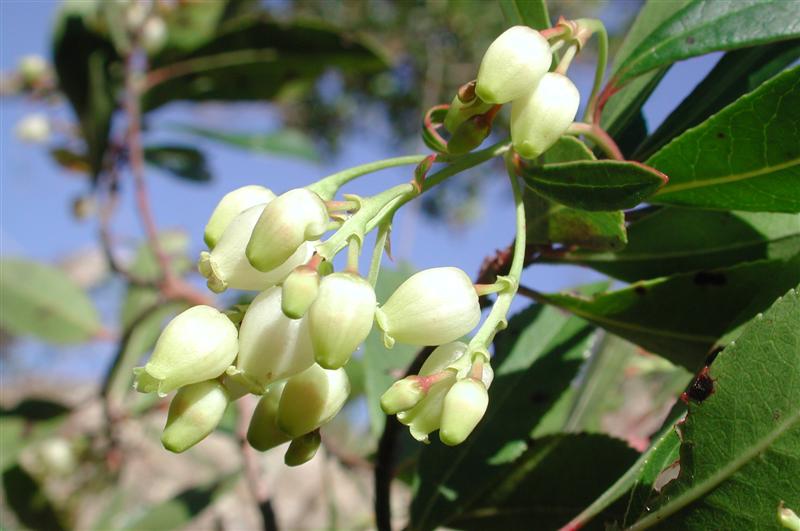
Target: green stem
566, 60
496, 320
327, 187
595, 26
353, 253
377, 253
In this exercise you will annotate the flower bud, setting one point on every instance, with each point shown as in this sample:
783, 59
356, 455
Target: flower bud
34, 128
154, 35
513, 65
271, 346
464, 406
56, 456
299, 291
310, 399
231, 205
426, 416
303, 449
788, 518
226, 266
194, 412
32, 68
460, 111
469, 135
447, 356
402, 395
286, 222
432, 307
197, 345
541, 117
340, 318
263, 433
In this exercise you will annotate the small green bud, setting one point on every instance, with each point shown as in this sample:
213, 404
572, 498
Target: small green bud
432, 307
312, 398
226, 266
426, 416
263, 433
33, 128
231, 205
402, 395
289, 220
460, 111
513, 65
302, 449
340, 318
271, 346
788, 518
194, 412
540, 118
464, 407
299, 291
197, 345
469, 135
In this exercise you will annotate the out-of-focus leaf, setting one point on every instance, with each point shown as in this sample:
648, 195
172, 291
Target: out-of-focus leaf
83, 60
746, 157
42, 301
680, 240
29, 502
531, 13
536, 358
180, 510
252, 58
381, 365
682, 316
36, 409
28, 421
740, 449
737, 73
704, 26
70, 160
594, 185
549, 222
181, 161
288, 142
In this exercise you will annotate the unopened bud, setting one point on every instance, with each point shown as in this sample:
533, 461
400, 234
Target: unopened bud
312, 398
460, 111
197, 345
788, 518
226, 266
287, 221
469, 135
448, 356
154, 35
34, 128
464, 407
340, 318
513, 65
56, 456
263, 433
302, 449
231, 205
299, 291
32, 68
194, 412
402, 395
432, 307
426, 416
271, 346
540, 118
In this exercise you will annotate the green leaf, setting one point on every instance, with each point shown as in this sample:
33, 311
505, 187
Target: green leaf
536, 358
594, 185
30, 503
740, 450
737, 73
29, 421
705, 26
253, 58
180, 161
42, 301
746, 157
679, 240
83, 61
381, 365
288, 142
681, 317
531, 13
548, 222
622, 110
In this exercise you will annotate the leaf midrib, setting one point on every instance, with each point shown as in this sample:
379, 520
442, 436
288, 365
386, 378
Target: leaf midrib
727, 179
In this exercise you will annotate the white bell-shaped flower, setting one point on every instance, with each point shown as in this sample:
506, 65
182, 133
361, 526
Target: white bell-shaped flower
231, 205
197, 345
292, 218
542, 116
340, 318
426, 416
310, 399
463, 408
195, 411
432, 307
300, 289
271, 346
226, 266
513, 65
263, 433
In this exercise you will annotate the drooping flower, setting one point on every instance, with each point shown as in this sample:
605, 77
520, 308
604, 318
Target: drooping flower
231, 205
310, 399
263, 433
300, 289
195, 411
